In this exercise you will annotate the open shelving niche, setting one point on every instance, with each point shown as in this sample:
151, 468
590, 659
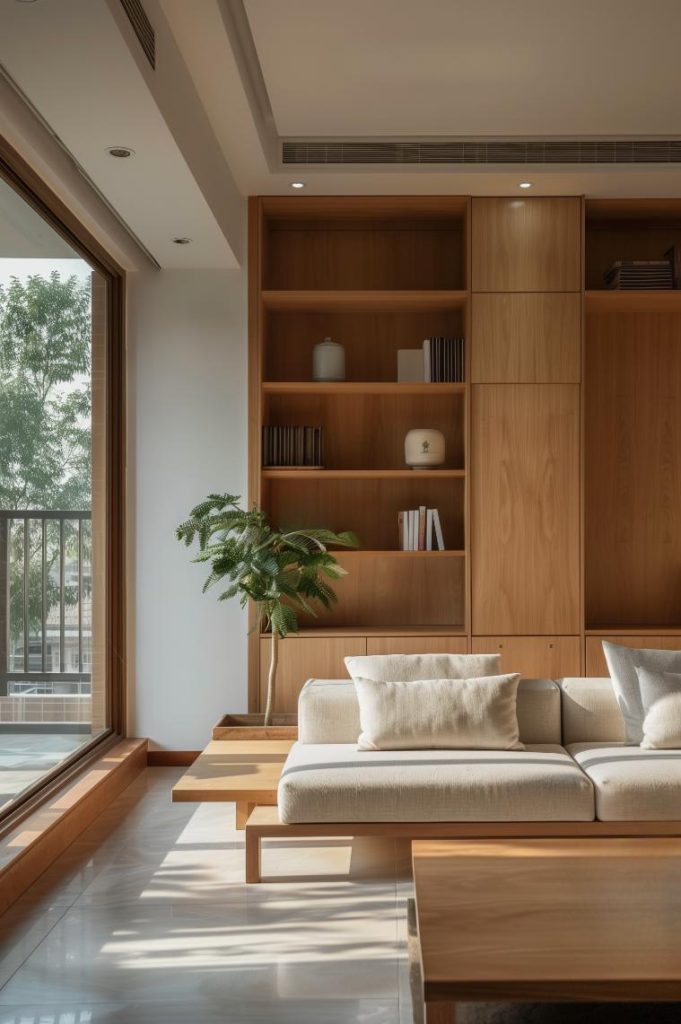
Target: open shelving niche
632, 383
377, 275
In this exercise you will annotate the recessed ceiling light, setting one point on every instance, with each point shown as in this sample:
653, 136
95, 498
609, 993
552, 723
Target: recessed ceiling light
181, 241
120, 152
525, 184
297, 184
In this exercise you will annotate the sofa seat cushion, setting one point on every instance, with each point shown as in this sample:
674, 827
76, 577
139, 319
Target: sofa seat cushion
336, 782
631, 783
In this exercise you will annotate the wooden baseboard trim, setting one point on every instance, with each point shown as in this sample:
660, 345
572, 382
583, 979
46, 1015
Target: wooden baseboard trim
171, 758
41, 837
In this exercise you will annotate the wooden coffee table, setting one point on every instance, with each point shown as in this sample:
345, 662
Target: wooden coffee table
557, 920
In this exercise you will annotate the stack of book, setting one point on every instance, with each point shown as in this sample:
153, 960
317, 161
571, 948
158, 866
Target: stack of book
443, 360
293, 447
419, 529
634, 275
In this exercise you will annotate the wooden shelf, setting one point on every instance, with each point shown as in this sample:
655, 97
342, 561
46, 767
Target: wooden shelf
363, 474
357, 301
333, 631
643, 301
635, 631
363, 553
351, 387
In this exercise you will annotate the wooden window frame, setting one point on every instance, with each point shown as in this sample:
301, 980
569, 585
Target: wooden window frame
29, 185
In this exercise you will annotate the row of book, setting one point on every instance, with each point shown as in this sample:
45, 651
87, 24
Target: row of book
419, 529
635, 275
293, 446
443, 360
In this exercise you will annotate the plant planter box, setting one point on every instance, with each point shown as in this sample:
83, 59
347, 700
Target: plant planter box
250, 727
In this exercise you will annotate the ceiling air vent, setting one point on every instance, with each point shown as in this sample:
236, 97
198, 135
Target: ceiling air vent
491, 151
142, 28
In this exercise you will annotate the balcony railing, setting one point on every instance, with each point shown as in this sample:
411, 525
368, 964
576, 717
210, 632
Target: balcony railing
45, 602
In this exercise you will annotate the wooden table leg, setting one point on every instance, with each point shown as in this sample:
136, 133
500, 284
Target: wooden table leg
243, 811
439, 1013
253, 865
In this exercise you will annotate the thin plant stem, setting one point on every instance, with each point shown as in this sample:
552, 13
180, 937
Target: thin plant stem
274, 660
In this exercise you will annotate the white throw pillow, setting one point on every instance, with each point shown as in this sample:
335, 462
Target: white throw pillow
445, 714
661, 699
403, 668
622, 665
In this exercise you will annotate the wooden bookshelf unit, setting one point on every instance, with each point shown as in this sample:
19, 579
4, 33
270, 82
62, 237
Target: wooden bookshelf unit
560, 491
377, 275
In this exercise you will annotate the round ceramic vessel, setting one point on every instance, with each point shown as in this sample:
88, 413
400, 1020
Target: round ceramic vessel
424, 448
328, 361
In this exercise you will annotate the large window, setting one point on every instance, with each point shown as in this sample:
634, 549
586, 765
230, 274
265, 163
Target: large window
58, 528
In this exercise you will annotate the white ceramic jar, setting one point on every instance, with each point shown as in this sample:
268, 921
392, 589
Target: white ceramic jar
328, 361
424, 448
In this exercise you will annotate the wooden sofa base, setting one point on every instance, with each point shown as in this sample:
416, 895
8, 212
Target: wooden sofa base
264, 823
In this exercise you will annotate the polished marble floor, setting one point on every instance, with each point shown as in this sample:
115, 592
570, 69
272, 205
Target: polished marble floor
146, 920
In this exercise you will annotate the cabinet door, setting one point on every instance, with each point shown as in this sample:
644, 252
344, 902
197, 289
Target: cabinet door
527, 245
525, 509
417, 645
302, 658
596, 664
535, 657
526, 338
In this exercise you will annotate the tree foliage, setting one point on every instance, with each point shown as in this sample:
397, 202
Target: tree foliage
45, 402
45, 410
282, 572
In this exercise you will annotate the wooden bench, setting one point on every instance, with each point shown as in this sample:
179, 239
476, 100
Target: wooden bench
245, 772
264, 823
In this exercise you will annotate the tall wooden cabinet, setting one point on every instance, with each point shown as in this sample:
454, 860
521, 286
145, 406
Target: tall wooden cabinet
561, 487
525, 431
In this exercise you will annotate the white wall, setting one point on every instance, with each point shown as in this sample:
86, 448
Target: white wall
187, 413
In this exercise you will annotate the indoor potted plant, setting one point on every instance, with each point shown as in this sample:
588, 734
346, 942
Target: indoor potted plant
281, 572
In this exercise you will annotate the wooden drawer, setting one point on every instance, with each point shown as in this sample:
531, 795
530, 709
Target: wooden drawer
535, 657
527, 245
526, 338
595, 659
302, 658
417, 645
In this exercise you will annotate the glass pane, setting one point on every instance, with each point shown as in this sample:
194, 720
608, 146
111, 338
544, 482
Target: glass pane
52, 498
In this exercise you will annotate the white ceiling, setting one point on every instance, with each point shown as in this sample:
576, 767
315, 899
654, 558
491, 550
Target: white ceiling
470, 67
207, 124
78, 69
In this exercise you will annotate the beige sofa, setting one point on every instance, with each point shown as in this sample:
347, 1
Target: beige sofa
575, 766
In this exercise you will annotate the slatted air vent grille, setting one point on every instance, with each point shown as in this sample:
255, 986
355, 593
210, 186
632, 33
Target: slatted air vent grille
494, 151
142, 27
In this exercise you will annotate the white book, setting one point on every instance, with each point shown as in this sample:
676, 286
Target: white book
429, 530
405, 531
413, 529
438, 530
426, 361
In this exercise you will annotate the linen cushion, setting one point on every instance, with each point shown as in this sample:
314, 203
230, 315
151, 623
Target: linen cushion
661, 699
402, 668
338, 783
590, 711
632, 784
328, 711
427, 714
622, 665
